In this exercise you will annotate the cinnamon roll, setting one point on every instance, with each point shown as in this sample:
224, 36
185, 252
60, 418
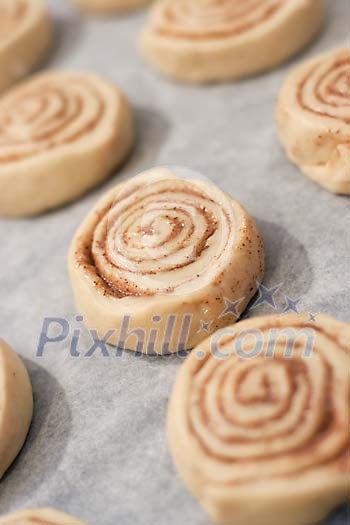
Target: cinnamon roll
25, 38
60, 135
40, 517
160, 262
314, 119
16, 406
259, 420
110, 6
216, 40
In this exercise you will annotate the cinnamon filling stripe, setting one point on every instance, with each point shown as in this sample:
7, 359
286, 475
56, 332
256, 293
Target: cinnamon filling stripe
294, 369
332, 89
47, 117
111, 275
219, 19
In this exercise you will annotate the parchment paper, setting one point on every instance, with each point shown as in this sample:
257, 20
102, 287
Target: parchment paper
97, 446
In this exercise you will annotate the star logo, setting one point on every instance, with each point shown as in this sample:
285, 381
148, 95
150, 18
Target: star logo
231, 308
205, 327
291, 306
267, 296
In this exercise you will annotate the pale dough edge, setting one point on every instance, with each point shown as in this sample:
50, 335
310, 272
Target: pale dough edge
17, 407
237, 57
300, 505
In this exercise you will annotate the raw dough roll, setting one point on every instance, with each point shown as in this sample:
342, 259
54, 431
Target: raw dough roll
163, 255
60, 135
16, 406
259, 421
40, 517
314, 119
216, 40
110, 6
25, 38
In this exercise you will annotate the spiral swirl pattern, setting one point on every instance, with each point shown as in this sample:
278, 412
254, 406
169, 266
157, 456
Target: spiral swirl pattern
271, 417
197, 19
12, 13
159, 238
313, 115
48, 112
166, 256
325, 90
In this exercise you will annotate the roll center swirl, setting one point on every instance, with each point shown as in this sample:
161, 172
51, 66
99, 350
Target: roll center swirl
279, 412
46, 115
160, 239
325, 91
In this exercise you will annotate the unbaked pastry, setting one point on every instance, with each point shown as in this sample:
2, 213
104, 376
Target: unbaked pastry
40, 517
16, 406
25, 38
216, 40
259, 420
314, 119
60, 135
110, 6
166, 257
